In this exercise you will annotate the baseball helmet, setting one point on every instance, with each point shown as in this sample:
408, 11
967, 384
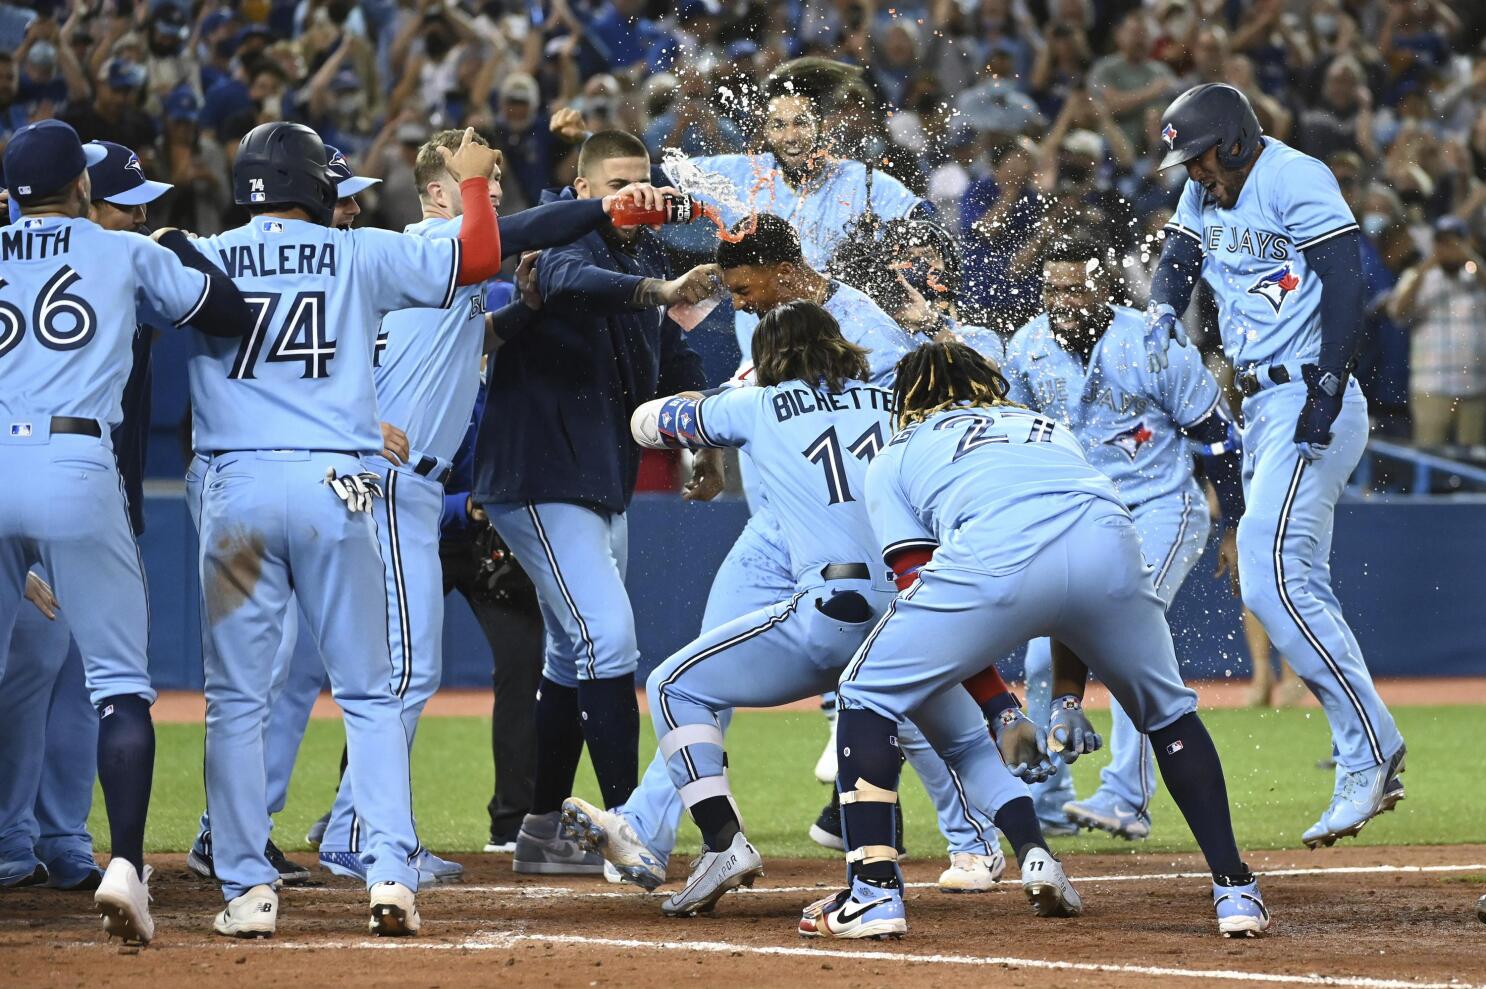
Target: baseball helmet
284, 164
1213, 114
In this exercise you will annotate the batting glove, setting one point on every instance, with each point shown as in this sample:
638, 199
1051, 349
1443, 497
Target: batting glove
1324, 391
356, 490
1069, 732
1161, 327
1023, 746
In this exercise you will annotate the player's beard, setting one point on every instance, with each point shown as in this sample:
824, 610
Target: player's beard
803, 164
1079, 329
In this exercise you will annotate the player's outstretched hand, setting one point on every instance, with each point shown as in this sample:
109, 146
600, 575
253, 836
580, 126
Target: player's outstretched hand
708, 476
395, 445
1023, 746
472, 160
642, 194
1161, 327
526, 280
356, 490
1324, 392
39, 593
694, 286
1069, 732
567, 124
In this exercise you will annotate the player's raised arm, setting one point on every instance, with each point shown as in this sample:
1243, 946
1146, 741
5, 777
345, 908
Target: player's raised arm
479, 235
218, 310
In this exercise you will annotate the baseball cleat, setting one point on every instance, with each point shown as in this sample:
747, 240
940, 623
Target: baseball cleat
864, 911
74, 871
254, 914
613, 837
290, 873
347, 864
972, 873
199, 858
714, 874
393, 911
1241, 910
500, 846
611, 874
542, 850
826, 831
435, 870
123, 901
316, 833
1359, 797
22, 871
1105, 812
1047, 887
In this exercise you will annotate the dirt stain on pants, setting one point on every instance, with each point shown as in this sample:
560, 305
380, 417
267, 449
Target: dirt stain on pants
234, 565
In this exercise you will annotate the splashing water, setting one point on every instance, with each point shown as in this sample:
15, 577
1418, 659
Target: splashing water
694, 180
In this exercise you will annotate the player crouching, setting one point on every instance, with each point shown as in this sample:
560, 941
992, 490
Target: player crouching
1000, 531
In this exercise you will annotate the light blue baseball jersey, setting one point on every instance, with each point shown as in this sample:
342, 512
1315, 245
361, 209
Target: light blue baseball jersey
821, 209
1253, 255
811, 447
427, 362
68, 291
989, 487
302, 379
983, 340
1128, 418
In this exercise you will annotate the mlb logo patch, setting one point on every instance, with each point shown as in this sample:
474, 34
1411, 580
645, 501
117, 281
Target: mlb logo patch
258, 197
1276, 286
31, 223
20, 429
272, 226
1174, 747
23, 190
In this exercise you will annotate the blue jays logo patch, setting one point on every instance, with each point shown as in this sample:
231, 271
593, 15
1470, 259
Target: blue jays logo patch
133, 165
338, 159
1131, 440
1168, 134
1276, 286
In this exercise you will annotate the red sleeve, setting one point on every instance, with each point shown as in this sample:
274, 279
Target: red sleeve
986, 685
479, 234
906, 564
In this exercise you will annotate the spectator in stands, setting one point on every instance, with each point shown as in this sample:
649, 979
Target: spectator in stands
1443, 300
1342, 119
13, 114
691, 123
1129, 81
114, 113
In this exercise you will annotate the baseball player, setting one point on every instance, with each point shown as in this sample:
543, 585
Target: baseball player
67, 320
999, 530
555, 469
427, 375
286, 418
299, 674
810, 428
1268, 229
48, 732
762, 271
1083, 363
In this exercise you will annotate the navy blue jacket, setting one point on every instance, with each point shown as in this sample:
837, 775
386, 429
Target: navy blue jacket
560, 396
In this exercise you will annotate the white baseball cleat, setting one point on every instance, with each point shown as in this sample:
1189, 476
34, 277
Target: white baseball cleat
613, 837
393, 911
972, 873
254, 914
123, 901
825, 766
714, 874
1047, 887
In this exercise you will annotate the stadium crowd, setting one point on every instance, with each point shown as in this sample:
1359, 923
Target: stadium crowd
1010, 116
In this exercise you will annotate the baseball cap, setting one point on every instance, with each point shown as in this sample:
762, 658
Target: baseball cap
1451, 226
346, 183
181, 104
44, 157
125, 74
118, 179
519, 87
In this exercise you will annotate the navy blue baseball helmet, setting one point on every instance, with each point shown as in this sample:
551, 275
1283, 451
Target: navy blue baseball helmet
1210, 115
284, 164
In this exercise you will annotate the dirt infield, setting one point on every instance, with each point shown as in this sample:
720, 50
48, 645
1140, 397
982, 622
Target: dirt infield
187, 707
1371, 918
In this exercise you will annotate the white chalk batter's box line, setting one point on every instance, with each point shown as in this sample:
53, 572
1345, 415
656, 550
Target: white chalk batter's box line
1008, 883
506, 940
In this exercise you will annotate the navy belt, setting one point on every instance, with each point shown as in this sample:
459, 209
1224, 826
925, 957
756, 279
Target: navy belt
426, 467
845, 571
76, 426
1256, 379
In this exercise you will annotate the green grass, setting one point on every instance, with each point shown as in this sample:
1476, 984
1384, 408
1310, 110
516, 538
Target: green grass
1269, 758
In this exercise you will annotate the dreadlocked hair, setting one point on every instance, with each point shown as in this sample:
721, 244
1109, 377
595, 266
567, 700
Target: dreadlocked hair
939, 376
800, 341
